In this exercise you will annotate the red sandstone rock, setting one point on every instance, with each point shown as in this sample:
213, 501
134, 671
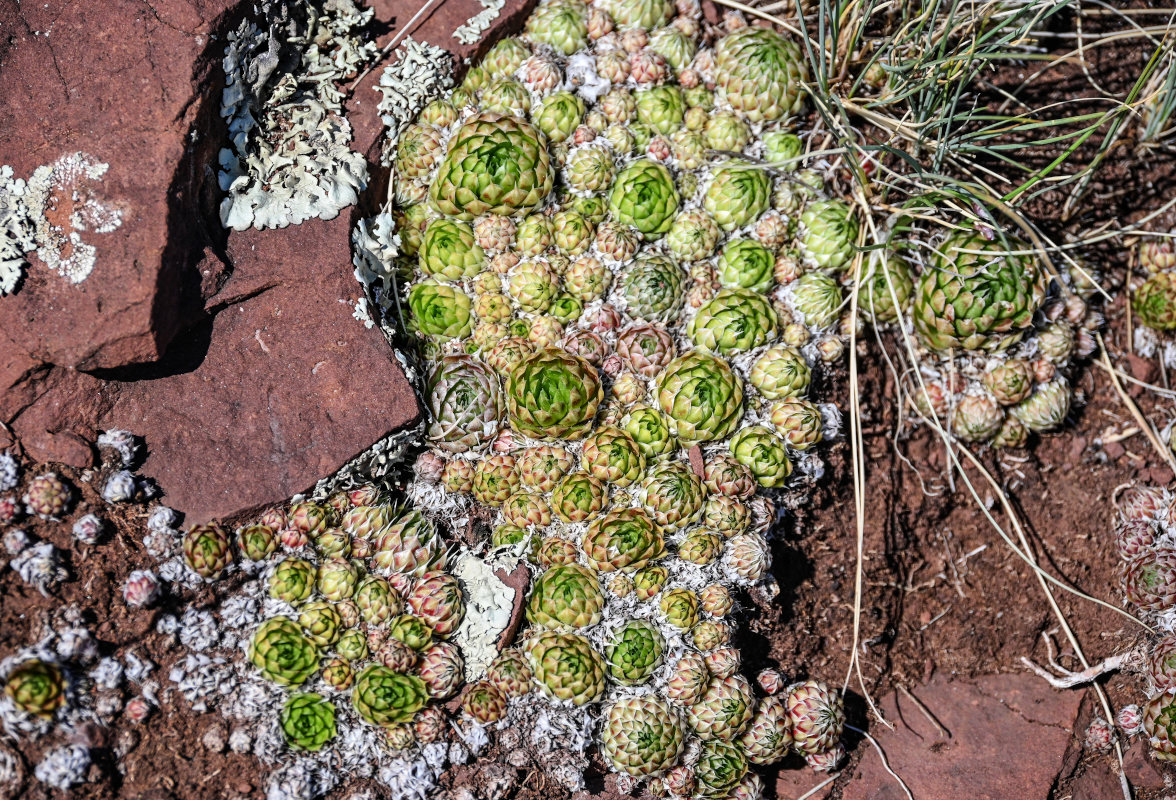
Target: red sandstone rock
1008, 738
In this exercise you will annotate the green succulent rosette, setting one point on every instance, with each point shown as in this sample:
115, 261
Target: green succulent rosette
448, 250
565, 598
830, 233
418, 151
721, 766
781, 147
675, 47
644, 197
746, 264
308, 721
553, 394
651, 430
888, 281
207, 551
36, 687
578, 497
559, 116
727, 132
321, 623
465, 404
590, 169
1155, 302
611, 455
411, 630
560, 24
292, 581
257, 542
573, 233
504, 58
337, 579
762, 452
646, 14
734, 321
781, 372
624, 540
1046, 409
661, 108
633, 651
283, 654
566, 667
673, 495
383, 697
738, 195
496, 164
760, 73
440, 310
679, 607
693, 235
977, 295
653, 288
352, 645
641, 736
508, 97
817, 297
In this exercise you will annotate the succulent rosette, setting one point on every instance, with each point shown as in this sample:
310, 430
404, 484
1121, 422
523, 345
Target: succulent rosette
633, 651
887, 289
448, 250
567, 667
207, 551
611, 455
641, 736
817, 298
560, 24
735, 321
578, 497
760, 73
817, 713
495, 164
624, 540
737, 195
438, 600
510, 673
292, 581
553, 395
746, 264
383, 697
650, 429
308, 721
977, 294
36, 687
672, 495
701, 396
644, 197
830, 233
442, 668
440, 310
282, 653
566, 597
465, 404
763, 452
653, 288
724, 710
1155, 302
643, 14
645, 348
721, 766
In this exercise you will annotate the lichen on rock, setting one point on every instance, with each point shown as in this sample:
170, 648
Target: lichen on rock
288, 158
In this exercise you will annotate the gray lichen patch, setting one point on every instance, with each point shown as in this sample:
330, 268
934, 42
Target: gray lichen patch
288, 158
49, 213
488, 607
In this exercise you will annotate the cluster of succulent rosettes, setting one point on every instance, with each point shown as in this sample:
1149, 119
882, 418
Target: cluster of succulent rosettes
1145, 538
996, 337
1154, 300
359, 607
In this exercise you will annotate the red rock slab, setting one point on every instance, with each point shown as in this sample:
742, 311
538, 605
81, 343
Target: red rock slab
281, 389
117, 80
1008, 739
